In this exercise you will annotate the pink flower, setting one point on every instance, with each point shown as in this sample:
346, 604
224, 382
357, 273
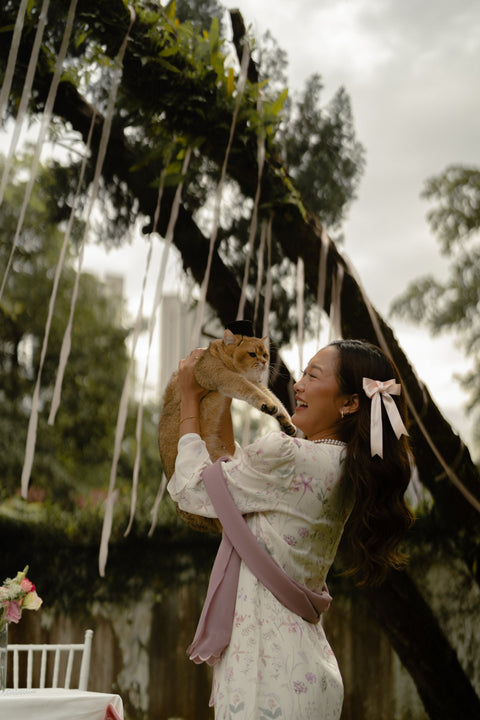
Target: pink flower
16, 595
13, 611
26, 585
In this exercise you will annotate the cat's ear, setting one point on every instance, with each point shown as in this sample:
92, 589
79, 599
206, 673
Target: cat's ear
265, 338
229, 338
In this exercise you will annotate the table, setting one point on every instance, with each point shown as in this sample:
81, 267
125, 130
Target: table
57, 704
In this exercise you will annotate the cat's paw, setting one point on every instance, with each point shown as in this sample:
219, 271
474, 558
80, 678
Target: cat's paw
287, 426
269, 408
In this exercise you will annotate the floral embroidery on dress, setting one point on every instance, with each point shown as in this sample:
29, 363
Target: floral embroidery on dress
277, 665
299, 686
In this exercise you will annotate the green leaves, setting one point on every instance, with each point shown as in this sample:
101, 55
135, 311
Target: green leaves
73, 457
457, 215
180, 79
453, 304
323, 156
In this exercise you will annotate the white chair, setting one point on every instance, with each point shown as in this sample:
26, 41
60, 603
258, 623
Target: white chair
61, 653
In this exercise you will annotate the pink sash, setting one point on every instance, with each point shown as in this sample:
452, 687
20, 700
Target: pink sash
239, 543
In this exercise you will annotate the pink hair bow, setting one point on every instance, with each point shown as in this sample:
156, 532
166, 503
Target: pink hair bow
379, 392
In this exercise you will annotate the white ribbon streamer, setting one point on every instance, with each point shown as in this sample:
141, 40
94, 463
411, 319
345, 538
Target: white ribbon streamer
254, 219
268, 285
322, 278
300, 310
381, 392
45, 122
12, 58
26, 93
260, 264
335, 305
218, 196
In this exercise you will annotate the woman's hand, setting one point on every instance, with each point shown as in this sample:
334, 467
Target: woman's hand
190, 389
191, 392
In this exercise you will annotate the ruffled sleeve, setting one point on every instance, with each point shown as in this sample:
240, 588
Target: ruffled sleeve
258, 476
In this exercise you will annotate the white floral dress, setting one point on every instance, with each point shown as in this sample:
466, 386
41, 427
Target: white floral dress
277, 665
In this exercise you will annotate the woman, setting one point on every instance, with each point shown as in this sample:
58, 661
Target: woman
297, 496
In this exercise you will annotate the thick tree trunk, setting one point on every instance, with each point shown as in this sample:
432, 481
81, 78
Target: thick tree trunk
423, 649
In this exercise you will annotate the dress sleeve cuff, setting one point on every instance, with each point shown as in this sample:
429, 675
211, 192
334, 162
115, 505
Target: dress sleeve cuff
192, 458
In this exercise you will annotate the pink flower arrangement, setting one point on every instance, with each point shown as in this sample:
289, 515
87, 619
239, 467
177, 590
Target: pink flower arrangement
16, 595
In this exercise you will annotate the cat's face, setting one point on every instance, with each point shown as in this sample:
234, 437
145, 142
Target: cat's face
249, 355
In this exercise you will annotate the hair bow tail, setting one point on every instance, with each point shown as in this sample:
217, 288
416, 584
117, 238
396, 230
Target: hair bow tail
376, 429
394, 416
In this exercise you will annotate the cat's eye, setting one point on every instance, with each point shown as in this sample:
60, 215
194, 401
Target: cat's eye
252, 354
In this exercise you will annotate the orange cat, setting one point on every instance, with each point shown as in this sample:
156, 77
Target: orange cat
233, 367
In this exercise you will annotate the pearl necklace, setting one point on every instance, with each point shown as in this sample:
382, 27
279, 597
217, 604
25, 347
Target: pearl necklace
330, 441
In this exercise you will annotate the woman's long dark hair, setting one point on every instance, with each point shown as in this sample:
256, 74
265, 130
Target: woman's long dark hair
380, 516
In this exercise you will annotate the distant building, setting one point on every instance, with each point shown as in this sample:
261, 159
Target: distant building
177, 321
114, 286
177, 328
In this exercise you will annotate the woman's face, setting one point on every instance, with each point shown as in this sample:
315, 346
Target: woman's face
318, 397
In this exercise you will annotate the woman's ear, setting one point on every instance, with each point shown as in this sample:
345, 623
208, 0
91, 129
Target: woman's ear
352, 404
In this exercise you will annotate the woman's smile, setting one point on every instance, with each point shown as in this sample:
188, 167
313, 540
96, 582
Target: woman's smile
318, 397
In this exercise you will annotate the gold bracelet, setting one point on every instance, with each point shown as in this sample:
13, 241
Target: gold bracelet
191, 417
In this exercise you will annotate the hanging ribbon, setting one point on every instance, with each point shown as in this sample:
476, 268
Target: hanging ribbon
254, 219
105, 136
335, 304
322, 279
12, 58
45, 122
242, 81
381, 392
33, 421
300, 310
268, 286
260, 264
156, 504
26, 93
152, 322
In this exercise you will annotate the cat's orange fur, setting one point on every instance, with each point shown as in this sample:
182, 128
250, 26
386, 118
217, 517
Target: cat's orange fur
233, 367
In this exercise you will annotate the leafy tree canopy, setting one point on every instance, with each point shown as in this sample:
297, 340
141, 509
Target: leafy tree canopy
73, 458
179, 87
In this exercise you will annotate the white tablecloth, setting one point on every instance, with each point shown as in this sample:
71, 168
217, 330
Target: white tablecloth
56, 704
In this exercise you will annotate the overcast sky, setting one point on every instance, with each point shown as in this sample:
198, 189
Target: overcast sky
412, 70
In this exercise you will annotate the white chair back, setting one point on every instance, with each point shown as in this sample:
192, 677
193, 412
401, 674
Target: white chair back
60, 653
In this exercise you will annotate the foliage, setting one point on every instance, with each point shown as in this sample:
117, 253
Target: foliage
73, 457
134, 563
325, 161
453, 305
199, 12
179, 86
322, 153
